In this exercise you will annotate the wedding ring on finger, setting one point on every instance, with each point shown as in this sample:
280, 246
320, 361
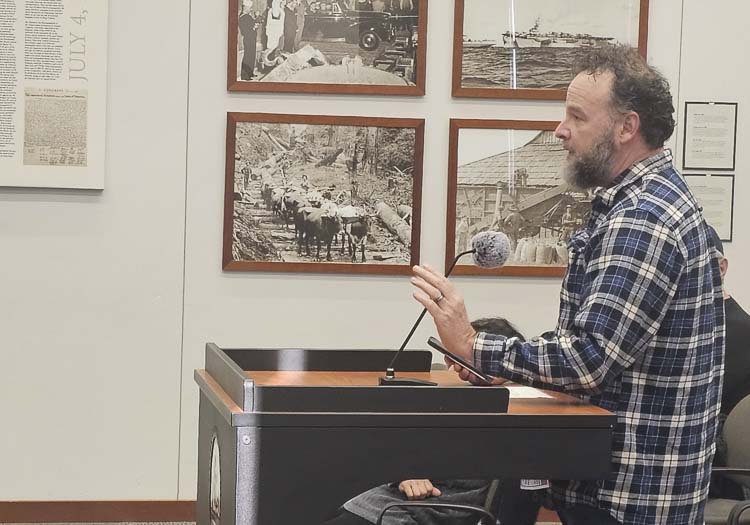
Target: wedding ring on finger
439, 298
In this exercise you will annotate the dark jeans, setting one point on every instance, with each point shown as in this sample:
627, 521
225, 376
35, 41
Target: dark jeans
344, 517
516, 506
582, 515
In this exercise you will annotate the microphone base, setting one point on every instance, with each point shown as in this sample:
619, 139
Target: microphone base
403, 381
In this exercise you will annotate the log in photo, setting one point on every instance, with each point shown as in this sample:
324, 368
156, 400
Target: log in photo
507, 176
322, 194
327, 46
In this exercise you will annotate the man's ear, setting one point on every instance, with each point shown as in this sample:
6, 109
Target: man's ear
629, 127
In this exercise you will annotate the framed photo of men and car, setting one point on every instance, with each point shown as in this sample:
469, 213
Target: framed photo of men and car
371, 47
342, 194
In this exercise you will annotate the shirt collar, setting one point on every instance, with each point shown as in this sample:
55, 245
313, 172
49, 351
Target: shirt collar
631, 175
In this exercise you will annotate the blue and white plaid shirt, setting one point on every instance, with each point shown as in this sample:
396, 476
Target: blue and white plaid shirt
641, 334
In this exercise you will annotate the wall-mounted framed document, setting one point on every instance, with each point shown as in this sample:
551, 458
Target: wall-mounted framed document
53, 93
715, 195
710, 138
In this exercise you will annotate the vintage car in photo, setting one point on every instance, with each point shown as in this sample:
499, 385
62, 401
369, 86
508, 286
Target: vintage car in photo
334, 21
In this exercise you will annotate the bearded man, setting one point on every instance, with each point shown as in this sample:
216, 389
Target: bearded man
640, 330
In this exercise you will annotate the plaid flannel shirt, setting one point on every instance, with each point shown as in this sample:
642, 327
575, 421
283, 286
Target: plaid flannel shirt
641, 334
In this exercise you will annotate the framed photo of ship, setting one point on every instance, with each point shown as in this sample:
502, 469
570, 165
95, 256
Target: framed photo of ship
506, 175
322, 194
525, 50
369, 47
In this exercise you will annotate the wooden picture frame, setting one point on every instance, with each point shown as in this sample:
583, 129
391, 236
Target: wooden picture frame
351, 51
528, 54
292, 180
509, 178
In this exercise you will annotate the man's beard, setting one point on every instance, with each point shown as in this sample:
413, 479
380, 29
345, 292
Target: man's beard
592, 168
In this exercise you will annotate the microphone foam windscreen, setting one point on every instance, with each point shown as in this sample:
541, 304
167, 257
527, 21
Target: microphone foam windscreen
492, 249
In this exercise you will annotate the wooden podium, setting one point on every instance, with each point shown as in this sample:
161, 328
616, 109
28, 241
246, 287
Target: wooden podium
286, 436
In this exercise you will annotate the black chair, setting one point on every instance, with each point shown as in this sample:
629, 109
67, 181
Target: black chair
721, 511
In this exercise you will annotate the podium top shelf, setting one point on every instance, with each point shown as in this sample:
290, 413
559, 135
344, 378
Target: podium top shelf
248, 396
554, 403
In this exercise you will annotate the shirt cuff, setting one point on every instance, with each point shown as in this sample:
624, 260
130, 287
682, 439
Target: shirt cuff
486, 347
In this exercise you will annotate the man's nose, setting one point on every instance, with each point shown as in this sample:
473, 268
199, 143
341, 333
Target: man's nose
562, 132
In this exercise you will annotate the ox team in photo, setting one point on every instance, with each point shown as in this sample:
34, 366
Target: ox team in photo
322, 193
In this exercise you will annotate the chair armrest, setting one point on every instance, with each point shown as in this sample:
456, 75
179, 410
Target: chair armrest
737, 510
726, 471
454, 506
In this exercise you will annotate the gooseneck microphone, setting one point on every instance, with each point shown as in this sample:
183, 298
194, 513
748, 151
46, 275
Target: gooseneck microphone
490, 250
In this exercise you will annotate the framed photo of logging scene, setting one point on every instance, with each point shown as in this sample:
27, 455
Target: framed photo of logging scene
507, 176
368, 47
322, 194
511, 49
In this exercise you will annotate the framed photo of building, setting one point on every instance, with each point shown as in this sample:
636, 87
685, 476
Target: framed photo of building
370, 47
322, 194
511, 49
506, 175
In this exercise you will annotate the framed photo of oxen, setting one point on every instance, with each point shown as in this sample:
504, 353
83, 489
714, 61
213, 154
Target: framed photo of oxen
322, 194
507, 175
526, 49
371, 47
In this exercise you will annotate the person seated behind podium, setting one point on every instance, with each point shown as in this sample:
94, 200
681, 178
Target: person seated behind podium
736, 384
365, 508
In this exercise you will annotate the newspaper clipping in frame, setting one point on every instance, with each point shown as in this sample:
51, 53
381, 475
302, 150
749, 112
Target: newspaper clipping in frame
53, 93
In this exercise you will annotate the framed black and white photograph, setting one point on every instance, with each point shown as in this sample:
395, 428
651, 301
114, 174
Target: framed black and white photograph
506, 175
513, 49
373, 47
322, 194
710, 137
715, 195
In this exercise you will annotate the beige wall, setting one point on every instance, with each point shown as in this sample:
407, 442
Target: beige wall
91, 287
102, 333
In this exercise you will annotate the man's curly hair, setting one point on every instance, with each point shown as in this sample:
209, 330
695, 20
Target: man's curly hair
636, 87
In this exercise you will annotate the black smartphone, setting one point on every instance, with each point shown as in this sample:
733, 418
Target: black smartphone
437, 345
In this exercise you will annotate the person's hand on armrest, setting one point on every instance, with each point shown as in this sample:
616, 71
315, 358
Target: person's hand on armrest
418, 489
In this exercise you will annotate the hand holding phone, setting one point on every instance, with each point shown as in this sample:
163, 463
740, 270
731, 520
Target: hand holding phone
437, 345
